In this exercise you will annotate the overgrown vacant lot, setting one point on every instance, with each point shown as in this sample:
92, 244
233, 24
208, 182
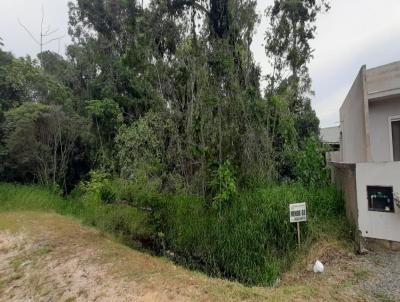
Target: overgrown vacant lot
47, 257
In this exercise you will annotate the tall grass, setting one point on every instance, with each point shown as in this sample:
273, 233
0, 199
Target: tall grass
34, 198
249, 240
124, 222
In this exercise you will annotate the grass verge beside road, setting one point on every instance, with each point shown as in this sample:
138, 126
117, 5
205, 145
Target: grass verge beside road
249, 240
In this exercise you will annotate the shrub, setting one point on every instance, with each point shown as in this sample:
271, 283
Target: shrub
139, 148
223, 183
251, 240
100, 184
107, 195
129, 224
310, 167
248, 239
138, 190
98, 179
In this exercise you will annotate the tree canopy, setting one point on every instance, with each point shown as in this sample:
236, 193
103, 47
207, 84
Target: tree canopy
168, 91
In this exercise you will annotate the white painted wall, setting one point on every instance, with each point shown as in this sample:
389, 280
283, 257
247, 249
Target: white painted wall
379, 113
352, 123
379, 225
330, 135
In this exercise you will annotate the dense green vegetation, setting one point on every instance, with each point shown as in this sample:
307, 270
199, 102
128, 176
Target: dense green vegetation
251, 240
153, 127
169, 92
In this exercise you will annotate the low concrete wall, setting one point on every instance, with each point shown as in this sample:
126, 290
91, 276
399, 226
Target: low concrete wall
372, 227
344, 177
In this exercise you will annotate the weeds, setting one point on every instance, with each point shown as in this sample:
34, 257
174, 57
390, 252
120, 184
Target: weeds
124, 222
249, 240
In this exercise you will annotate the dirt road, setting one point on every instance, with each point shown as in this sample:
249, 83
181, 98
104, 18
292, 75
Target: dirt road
47, 257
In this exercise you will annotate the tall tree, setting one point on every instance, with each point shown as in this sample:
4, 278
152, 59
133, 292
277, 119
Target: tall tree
291, 28
39, 141
111, 53
218, 89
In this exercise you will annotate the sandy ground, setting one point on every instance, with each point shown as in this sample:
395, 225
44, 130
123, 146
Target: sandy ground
46, 257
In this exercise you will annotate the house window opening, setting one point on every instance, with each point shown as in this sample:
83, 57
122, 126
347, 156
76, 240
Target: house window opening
396, 140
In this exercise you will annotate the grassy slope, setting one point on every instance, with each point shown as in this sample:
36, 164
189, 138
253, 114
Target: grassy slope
53, 244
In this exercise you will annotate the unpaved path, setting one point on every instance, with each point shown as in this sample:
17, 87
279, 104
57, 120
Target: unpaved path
384, 270
46, 257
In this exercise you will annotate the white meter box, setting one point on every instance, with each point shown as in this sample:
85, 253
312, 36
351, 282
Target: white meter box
298, 212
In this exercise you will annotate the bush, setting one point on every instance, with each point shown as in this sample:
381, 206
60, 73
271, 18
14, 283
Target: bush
107, 195
139, 148
129, 224
100, 185
309, 164
248, 239
137, 191
223, 184
98, 179
251, 240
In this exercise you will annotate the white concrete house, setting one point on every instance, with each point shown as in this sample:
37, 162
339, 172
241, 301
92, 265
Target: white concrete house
330, 136
368, 167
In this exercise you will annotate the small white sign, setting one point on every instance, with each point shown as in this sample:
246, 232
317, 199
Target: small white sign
298, 212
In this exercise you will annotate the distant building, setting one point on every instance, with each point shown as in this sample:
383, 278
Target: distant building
331, 136
368, 166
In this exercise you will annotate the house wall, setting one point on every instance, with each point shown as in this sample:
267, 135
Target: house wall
381, 79
353, 122
379, 225
332, 156
330, 135
379, 113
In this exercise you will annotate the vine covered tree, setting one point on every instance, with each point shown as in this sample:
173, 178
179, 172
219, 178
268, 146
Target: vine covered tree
171, 88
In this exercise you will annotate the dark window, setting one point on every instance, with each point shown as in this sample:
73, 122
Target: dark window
380, 199
396, 140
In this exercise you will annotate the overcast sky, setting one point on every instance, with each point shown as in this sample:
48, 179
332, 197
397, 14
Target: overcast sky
351, 34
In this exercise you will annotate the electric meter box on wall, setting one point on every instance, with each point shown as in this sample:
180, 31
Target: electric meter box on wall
298, 212
380, 199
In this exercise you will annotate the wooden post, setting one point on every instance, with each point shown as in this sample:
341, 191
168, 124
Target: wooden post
298, 233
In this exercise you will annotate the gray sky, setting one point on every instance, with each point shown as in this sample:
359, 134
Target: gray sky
352, 33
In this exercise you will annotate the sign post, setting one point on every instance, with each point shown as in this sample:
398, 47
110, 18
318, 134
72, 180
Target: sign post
298, 213
298, 233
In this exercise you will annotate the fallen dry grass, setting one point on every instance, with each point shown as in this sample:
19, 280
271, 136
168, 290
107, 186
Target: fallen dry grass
47, 257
